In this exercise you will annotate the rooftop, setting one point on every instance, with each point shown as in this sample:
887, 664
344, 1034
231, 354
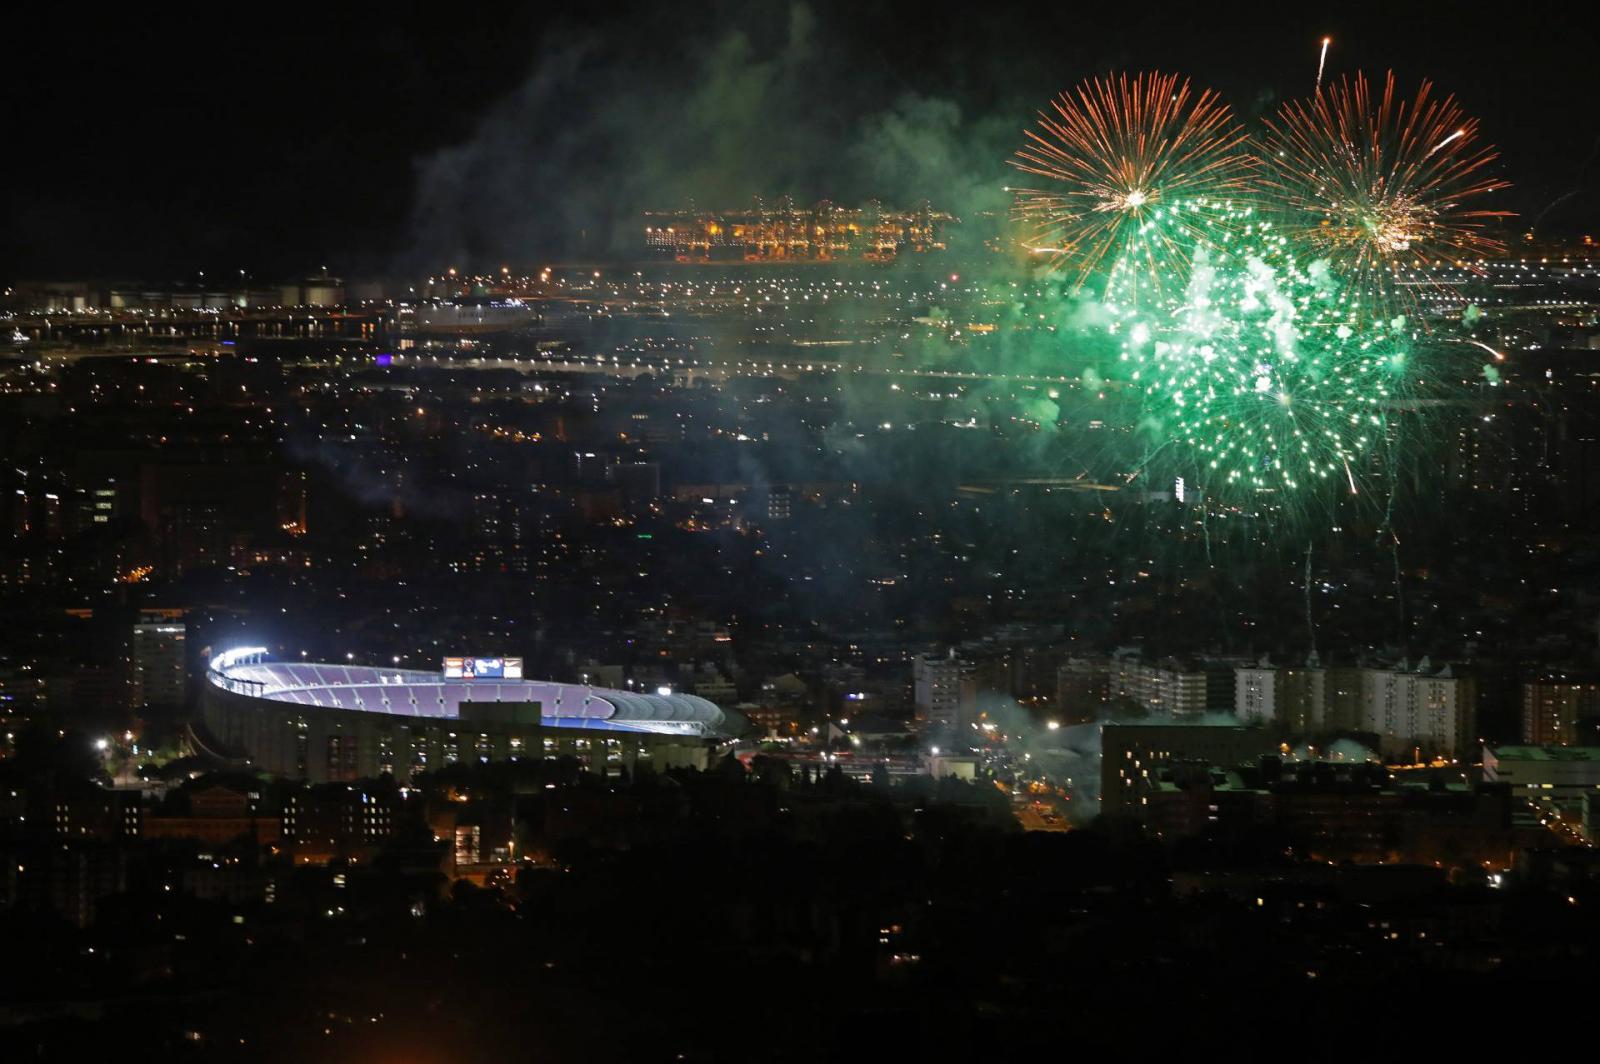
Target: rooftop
1545, 753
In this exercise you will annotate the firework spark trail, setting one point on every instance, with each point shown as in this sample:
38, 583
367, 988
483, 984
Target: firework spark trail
1399, 589
1264, 376
1499, 356
1323, 61
1582, 186
1379, 184
1458, 133
1130, 161
1311, 627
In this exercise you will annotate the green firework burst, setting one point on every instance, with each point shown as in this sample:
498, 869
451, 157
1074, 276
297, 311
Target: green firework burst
1263, 376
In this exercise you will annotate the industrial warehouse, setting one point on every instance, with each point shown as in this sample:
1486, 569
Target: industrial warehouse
324, 723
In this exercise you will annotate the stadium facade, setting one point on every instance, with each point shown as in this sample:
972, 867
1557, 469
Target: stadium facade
324, 723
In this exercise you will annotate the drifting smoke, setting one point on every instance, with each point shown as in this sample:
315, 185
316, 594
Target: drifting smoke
1350, 750
1074, 753
1347, 750
366, 476
669, 109
666, 109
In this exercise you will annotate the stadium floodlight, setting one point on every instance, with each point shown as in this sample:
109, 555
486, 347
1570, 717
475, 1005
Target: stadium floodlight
232, 657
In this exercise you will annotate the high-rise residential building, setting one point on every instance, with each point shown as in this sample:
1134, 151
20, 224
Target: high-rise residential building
1553, 706
1419, 710
1171, 687
780, 504
1255, 693
1302, 699
945, 689
1406, 708
1083, 688
160, 660
1296, 699
93, 500
1341, 692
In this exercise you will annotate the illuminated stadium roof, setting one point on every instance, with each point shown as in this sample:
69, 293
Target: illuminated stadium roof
414, 693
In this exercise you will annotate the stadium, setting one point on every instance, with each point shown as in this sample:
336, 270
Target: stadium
323, 723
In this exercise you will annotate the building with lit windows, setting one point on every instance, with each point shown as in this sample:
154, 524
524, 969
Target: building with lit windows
1083, 688
945, 690
1295, 698
1553, 706
329, 723
1420, 711
1563, 774
1172, 687
1255, 693
160, 662
1132, 753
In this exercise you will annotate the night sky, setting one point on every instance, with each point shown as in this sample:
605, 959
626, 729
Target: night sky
151, 145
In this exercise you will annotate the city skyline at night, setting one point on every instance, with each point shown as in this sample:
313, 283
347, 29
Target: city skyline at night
799, 532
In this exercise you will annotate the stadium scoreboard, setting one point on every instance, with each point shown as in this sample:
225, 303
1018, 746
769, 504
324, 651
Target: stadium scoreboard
483, 668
